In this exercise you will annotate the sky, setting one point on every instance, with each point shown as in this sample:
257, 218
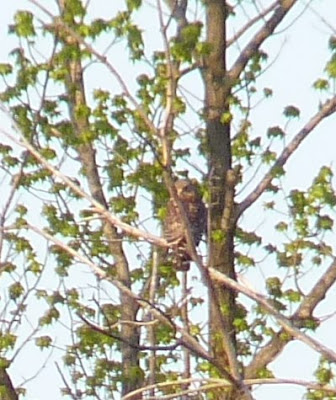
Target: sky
299, 52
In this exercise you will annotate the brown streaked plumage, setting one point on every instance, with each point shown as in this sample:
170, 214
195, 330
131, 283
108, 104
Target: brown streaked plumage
174, 229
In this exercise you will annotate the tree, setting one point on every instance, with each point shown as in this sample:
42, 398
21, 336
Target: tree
105, 117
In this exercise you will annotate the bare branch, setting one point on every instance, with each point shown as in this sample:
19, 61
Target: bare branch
264, 33
317, 293
250, 23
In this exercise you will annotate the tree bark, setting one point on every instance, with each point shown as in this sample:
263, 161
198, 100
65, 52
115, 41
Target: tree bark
7, 391
217, 111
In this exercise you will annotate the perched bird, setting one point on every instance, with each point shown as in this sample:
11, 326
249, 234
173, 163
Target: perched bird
174, 229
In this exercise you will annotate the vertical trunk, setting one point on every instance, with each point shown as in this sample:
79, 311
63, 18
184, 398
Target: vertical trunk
75, 90
217, 91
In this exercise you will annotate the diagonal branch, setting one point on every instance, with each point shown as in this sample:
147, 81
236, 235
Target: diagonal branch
207, 384
328, 108
97, 207
251, 22
186, 339
284, 322
264, 33
317, 293
304, 311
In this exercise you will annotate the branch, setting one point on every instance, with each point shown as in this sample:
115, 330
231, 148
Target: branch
178, 9
284, 322
7, 389
67, 386
265, 32
328, 108
110, 334
251, 22
317, 293
58, 23
97, 207
186, 339
305, 310
207, 384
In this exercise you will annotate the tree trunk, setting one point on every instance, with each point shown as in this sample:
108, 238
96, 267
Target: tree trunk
128, 307
217, 88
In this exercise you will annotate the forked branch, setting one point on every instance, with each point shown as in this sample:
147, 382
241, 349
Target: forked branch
284, 322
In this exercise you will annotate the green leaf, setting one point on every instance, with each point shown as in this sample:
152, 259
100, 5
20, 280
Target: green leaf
324, 222
291, 112
74, 8
7, 342
268, 92
5, 69
133, 4
281, 226
43, 342
332, 43
324, 375
135, 42
292, 295
321, 84
16, 290
24, 25
331, 67
275, 131
245, 260
217, 235
49, 317
226, 118
273, 286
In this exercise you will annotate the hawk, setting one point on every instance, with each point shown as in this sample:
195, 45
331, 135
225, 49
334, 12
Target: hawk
174, 228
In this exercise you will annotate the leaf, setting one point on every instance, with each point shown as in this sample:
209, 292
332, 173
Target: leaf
291, 112
273, 286
331, 67
5, 69
321, 84
43, 342
324, 222
332, 43
133, 5
244, 260
275, 131
268, 92
24, 26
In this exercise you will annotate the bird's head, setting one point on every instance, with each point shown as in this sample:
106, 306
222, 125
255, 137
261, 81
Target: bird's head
185, 189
